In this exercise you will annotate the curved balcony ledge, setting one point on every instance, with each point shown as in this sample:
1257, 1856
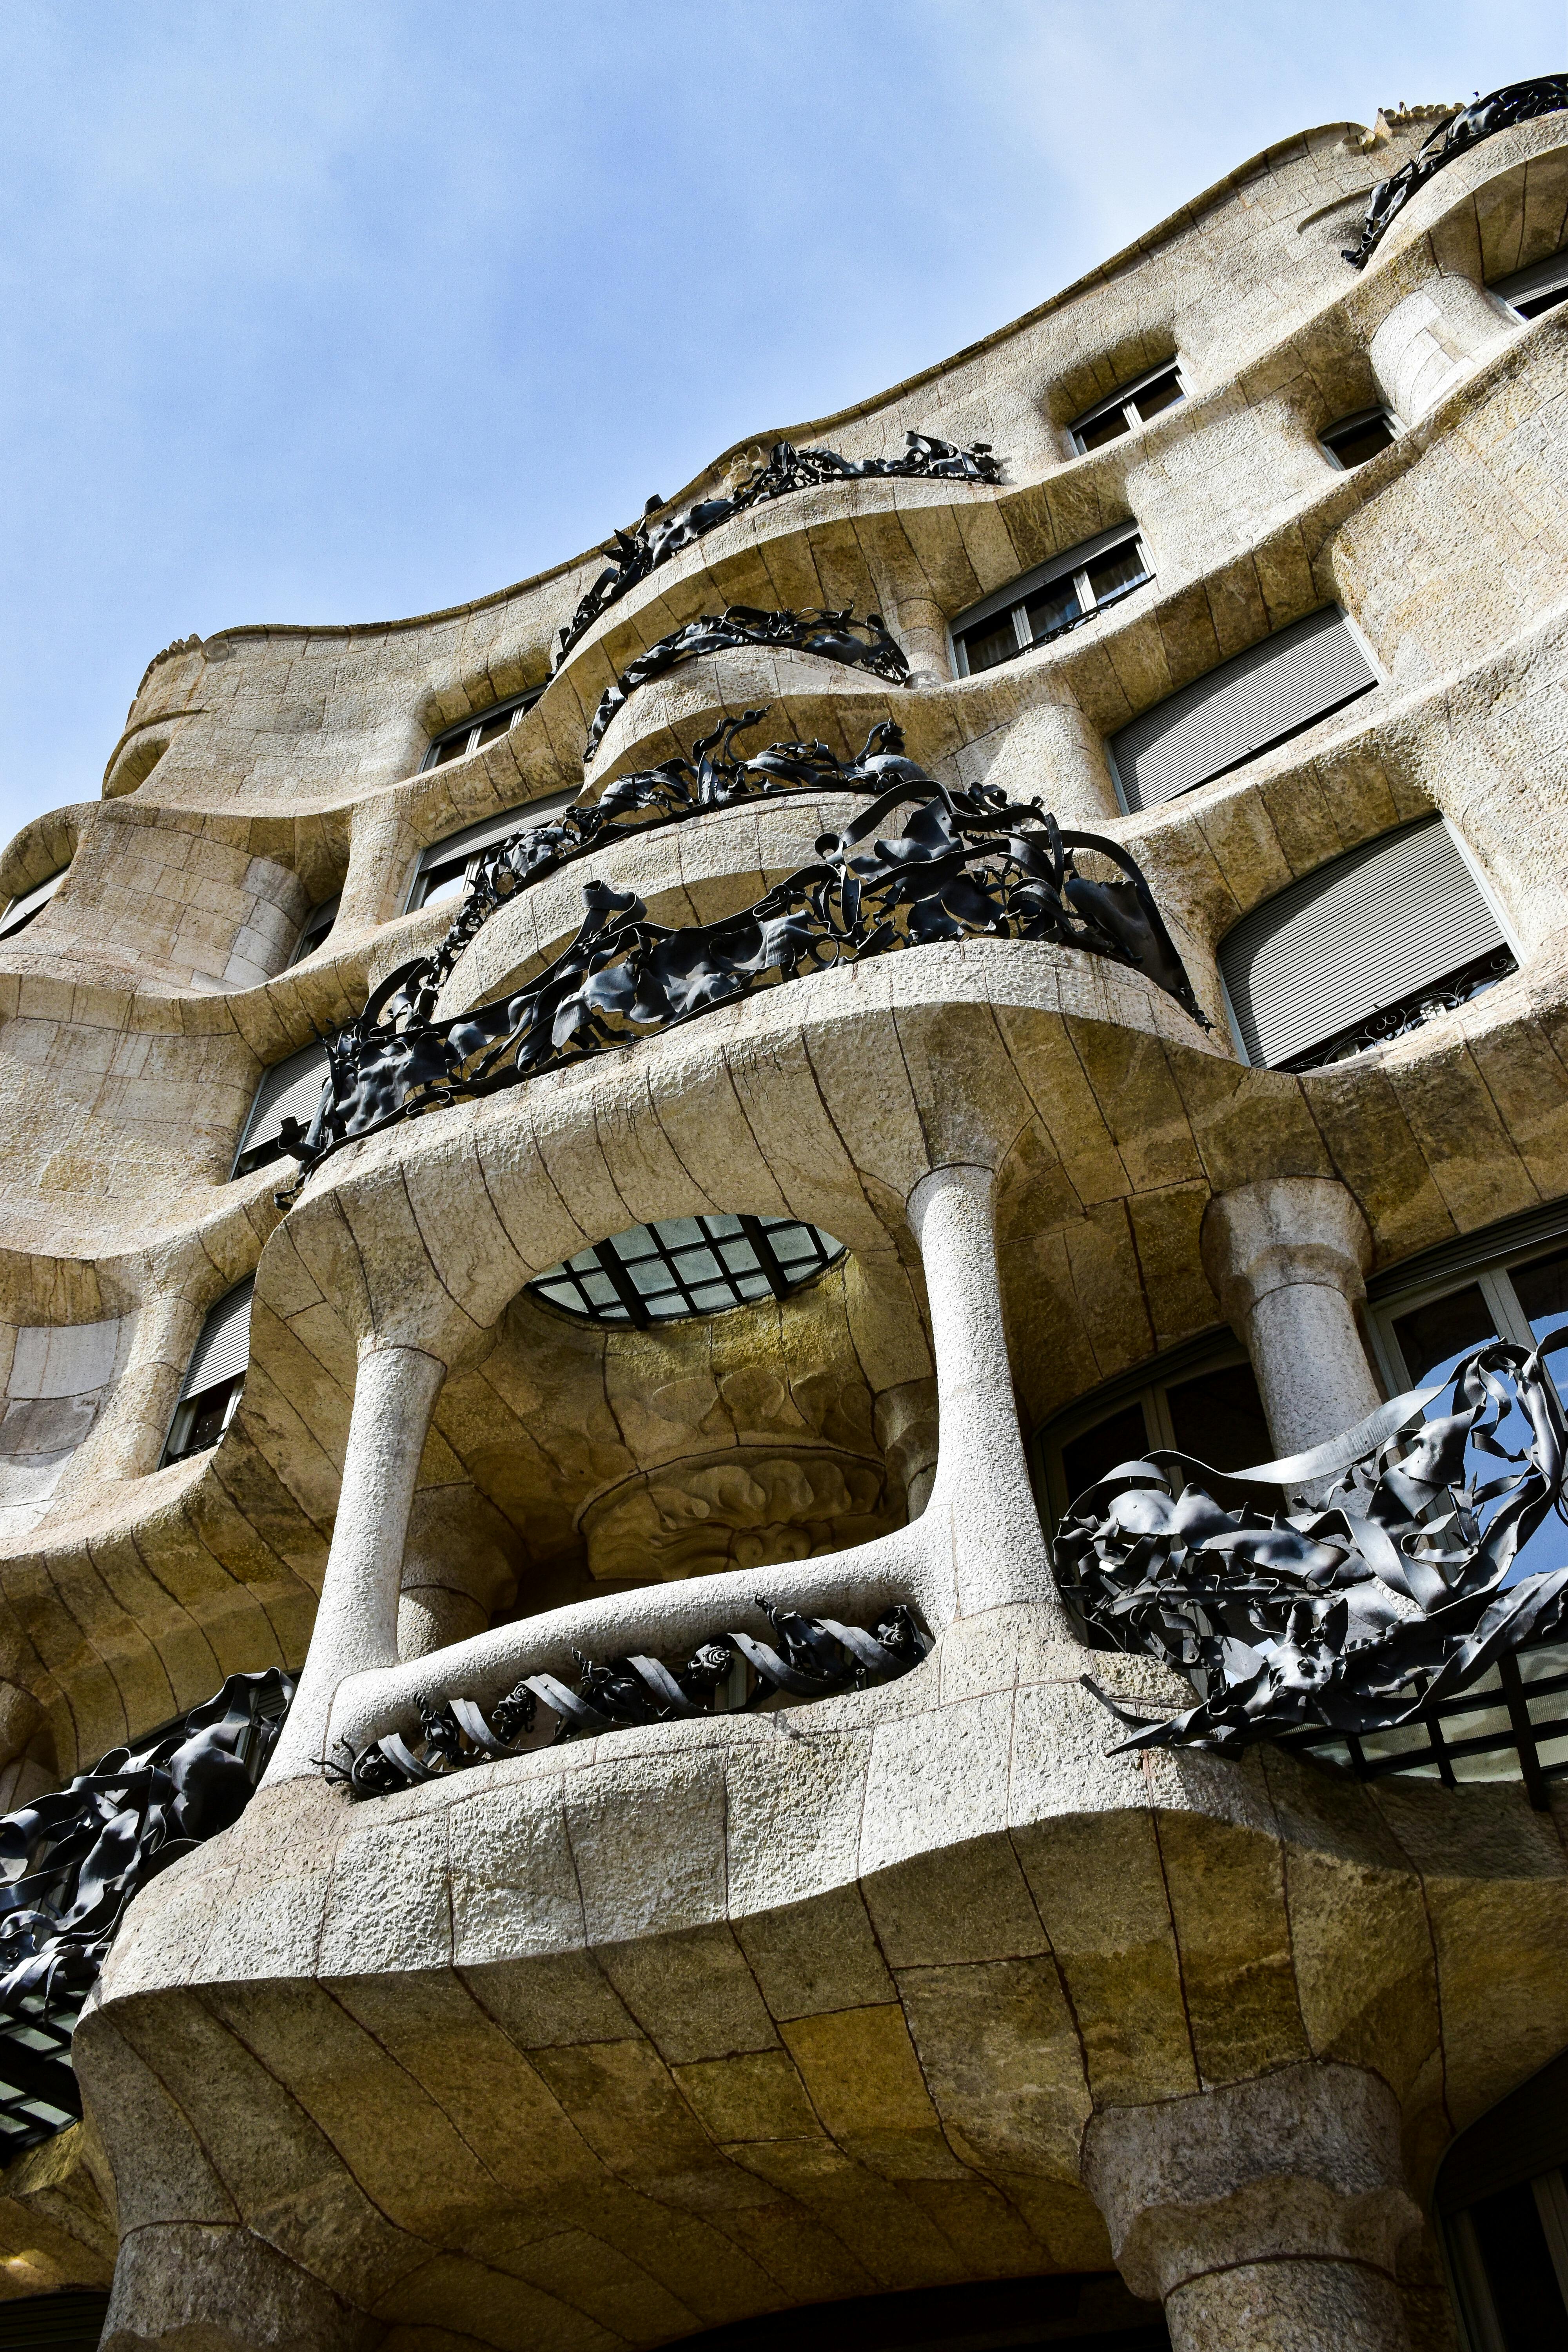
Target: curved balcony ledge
1446, 200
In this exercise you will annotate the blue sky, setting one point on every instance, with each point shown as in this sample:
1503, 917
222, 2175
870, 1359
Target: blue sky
335, 312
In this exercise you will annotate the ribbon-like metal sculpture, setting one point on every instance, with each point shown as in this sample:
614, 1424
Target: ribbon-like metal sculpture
814, 1658
648, 544
1521, 102
1357, 1612
967, 865
833, 636
70, 1864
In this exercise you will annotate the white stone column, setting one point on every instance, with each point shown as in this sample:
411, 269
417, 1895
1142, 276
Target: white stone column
356, 1619
1286, 1259
1265, 2216
982, 1485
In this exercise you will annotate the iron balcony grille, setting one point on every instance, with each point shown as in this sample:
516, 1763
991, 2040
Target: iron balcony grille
686, 1266
1512, 1725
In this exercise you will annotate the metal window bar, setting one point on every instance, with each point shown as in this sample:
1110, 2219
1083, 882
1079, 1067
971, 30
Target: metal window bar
1436, 1744
688, 1267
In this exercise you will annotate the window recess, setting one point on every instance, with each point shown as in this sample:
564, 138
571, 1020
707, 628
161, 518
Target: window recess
685, 1267
1541, 286
318, 927
445, 868
472, 734
1502, 2204
1124, 410
1366, 948
215, 1378
1355, 439
1247, 706
290, 1089
1046, 604
22, 911
1201, 1400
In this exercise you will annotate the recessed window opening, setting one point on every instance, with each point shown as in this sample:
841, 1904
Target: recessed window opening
1541, 286
216, 1375
1124, 410
1369, 947
1202, 1400
446, 868
318, 927
473, 734
1046, 602
1355, 439
31, 903
1502, 2205
687, 1266
289, 1089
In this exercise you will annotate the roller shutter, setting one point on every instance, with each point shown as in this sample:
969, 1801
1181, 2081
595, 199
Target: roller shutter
224, 1347
290, 1089
1262, 697
493, 829
1540, 288
1360, 934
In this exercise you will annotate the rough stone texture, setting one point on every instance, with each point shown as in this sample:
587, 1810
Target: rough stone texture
618, 2040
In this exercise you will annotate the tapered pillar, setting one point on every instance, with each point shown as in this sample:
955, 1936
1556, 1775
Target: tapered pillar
982, 1482
1286, 1259
1265, 2216
356, 1622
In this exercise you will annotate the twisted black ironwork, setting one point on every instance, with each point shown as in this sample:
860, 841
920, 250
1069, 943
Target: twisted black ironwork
1361, 1611
72, 1862
967, 864
649, 543
814, 1658
1412, 1012
1521, 102
835, 637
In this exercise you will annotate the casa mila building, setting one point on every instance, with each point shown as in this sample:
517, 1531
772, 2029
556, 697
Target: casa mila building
782, 1504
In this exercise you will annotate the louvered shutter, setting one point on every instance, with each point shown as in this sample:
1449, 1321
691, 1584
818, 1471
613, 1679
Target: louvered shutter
1541, 277
1358, 935
224, 1347
493, 829
289, 1089
1263, 696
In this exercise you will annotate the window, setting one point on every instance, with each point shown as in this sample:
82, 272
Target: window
688, 1265
472, 734
1367, 948
1202, 1400
290, 1089
1355, 439
317, 925
1247, 706
1540, 288
445, 868
215, 1378
21, 912
1126, 410
1502, 2204
1046, 604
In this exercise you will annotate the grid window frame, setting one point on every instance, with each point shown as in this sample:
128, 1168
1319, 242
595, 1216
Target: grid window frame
1074, 569
1125, 398
459, 740
684, 1269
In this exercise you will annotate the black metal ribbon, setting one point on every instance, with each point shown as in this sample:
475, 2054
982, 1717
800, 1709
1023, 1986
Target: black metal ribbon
1520, 102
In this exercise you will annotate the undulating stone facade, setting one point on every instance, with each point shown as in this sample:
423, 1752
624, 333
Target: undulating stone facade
618, 2039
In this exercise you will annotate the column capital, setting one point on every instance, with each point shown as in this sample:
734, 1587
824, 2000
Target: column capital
1286, 1229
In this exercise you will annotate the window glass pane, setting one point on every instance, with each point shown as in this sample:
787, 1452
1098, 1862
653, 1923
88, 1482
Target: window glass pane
452, 749
1109, 428
1520, 2270
1433, 1338
1163, 393
1361, 442
442, 883
1122, 1437
1121, 568
1541, 1289
995, 641
207, 1419
491, 728
1053, 608
1218, 1418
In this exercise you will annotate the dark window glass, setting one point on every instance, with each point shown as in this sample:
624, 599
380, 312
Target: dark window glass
1431, 1338
995, 641
1362, 441
1219, 1418
1053, 608
1541, 1290
1122, 1437
1109, 428
1163, 393
452, 749
442, 882
1534, 304
202, 1419
494, 727
1520, 2272
1113, 573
